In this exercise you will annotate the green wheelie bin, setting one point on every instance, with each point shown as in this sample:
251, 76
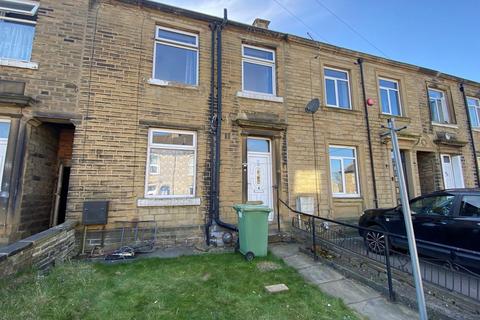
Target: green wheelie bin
252, 230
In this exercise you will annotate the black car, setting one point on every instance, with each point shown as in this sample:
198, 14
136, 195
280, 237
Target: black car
448, 218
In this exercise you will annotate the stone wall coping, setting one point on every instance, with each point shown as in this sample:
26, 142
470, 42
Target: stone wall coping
36, 238
15, 248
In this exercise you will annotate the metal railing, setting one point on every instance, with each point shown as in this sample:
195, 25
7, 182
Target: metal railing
337, 236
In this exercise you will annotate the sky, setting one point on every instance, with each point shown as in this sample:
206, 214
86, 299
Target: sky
443, 35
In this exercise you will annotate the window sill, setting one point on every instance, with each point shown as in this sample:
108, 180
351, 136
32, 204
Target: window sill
476, 129
346, 197
259, 96
388, 116
168, 202
446, 125
327, 108
163, 83
19, 64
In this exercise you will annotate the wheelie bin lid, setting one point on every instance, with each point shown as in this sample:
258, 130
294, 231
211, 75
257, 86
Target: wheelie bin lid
245, 207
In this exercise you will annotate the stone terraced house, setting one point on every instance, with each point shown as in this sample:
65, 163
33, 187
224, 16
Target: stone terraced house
174, 116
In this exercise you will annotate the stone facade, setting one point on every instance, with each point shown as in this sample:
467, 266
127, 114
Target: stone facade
104, 87
40, 99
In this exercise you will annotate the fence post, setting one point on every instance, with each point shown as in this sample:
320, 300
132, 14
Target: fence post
314, 241
391, 293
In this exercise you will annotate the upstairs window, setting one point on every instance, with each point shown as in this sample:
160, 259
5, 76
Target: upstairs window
438, 106
474, 109
170, 164
176, 56
258, 66
389, 95
17, 29
337, 88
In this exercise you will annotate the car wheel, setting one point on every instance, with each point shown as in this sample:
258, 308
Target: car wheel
375, 239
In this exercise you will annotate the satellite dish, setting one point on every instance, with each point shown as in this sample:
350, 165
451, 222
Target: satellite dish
312, 106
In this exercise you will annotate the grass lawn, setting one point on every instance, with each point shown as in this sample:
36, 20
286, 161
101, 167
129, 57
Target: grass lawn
210, 286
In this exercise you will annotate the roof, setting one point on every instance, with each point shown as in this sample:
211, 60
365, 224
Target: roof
317, 44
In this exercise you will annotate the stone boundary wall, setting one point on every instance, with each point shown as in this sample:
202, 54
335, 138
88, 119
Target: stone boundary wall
42, 250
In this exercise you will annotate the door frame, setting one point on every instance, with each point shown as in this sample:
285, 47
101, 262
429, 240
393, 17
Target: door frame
275, 151
272, 172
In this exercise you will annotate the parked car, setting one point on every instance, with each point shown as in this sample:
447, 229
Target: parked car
449, 218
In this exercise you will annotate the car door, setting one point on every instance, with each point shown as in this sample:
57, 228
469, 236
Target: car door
465, 231
432, 217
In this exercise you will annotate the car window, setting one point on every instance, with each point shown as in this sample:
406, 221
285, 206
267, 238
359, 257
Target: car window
470, 206
433, 206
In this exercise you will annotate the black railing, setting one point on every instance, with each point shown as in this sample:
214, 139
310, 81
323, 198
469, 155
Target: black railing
337, 236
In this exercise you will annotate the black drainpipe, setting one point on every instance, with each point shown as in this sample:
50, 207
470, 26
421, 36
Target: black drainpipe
372, 166
216, 124
470, 130
213, 27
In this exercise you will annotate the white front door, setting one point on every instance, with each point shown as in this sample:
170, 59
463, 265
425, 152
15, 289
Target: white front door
452, 171
259, 163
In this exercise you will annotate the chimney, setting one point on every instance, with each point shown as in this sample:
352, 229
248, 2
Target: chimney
261, 23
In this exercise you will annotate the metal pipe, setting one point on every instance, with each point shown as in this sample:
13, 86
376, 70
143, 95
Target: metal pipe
470, 130
218, 128
211, 209
367, 122
407, 216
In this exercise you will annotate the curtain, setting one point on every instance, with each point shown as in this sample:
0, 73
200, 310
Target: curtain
16, 40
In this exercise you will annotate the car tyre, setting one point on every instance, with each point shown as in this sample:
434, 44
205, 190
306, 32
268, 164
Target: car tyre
375, 239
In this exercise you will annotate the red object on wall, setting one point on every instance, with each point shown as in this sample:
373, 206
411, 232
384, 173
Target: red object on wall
370, 102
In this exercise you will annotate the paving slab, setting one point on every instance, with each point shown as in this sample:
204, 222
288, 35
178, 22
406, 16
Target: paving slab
276, 288
349, 291
172, 252
381, 309
299, 261
319, 274
284, 250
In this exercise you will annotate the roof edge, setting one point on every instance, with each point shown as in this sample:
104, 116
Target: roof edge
305, 41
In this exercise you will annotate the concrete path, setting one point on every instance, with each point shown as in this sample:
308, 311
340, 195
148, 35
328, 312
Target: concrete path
361, 298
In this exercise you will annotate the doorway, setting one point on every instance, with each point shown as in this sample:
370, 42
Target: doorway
452, 171
259, 175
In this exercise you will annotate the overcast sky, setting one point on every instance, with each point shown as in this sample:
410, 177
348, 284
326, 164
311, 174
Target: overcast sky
439, 34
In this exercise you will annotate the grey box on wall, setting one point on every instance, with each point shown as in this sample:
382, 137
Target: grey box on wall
95, 212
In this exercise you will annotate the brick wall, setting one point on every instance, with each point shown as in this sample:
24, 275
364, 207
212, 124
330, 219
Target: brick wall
40, 251
39, 180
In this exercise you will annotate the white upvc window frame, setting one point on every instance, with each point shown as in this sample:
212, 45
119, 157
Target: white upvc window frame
4, 10
476, 107
22, 12
152, 145
444, 106
344, 194
177, 44
263, 62
325, 77
389, 98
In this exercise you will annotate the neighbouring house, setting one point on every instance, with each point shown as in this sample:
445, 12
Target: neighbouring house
173, 116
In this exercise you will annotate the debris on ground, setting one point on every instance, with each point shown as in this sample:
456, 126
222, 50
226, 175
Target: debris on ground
276, 288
